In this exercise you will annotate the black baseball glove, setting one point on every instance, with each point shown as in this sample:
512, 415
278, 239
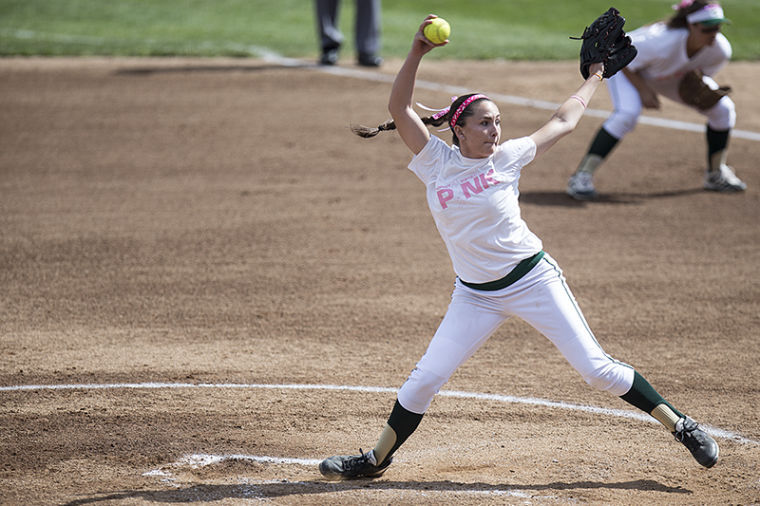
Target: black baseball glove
606, 42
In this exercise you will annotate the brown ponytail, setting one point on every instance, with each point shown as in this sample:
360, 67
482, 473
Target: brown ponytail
367, 132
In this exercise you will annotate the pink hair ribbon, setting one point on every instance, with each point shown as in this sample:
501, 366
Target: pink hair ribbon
439, 113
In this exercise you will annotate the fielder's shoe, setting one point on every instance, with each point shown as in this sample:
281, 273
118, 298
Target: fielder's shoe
702, 447
349, 467
581, 187
723, 180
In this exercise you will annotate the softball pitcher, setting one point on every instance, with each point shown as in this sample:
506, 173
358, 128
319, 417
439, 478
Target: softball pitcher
502, 271
688, 48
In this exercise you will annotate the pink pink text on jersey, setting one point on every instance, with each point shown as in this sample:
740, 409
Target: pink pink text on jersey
469, 187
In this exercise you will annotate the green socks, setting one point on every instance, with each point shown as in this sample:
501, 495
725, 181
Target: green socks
600, 147
645, 397
401, 424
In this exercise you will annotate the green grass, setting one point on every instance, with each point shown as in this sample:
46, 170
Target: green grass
481, 29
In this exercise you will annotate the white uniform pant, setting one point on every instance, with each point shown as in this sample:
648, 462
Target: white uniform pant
627, 105
541, 298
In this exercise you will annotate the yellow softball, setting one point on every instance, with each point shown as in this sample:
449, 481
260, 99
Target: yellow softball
438, 31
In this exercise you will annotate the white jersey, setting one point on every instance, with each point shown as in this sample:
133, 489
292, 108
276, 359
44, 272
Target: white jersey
474, 202
662, 53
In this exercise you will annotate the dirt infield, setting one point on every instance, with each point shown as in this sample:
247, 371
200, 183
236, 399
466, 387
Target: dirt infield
205, 260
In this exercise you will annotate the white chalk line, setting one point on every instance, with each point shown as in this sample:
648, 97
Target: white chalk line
270, 56
513, 99
201, 460
368, 75
196, 461
509, 399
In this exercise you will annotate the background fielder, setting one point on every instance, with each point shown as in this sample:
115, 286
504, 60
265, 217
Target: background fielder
667, 51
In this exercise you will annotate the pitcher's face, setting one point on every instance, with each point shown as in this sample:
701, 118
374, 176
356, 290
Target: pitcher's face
480, 135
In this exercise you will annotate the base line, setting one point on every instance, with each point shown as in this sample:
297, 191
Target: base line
253, 487
367, 75
508, 399
269, 56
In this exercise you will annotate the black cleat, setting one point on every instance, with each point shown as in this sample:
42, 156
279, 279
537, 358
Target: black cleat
702, 447
349, 467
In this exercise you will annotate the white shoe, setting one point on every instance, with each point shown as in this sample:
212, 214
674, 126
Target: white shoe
581, 187
723, 180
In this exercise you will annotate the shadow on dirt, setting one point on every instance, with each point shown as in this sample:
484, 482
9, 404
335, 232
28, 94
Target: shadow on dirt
272, 490
561, 199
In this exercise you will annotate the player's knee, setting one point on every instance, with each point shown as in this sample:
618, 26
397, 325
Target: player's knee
621, 123
723, 115
613, 377
598, 381
418, 391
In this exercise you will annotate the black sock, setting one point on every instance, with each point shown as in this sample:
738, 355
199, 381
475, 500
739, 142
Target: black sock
404, 423
603, 143
717, 140
644, 396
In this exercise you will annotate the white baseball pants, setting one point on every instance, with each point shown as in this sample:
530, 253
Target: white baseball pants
541, 298
627, 105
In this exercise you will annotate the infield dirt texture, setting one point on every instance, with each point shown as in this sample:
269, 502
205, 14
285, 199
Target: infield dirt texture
215, 223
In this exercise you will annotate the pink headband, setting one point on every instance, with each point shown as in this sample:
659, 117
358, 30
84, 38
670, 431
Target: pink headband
464, 105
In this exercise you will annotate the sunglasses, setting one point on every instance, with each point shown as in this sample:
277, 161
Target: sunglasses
710, 29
